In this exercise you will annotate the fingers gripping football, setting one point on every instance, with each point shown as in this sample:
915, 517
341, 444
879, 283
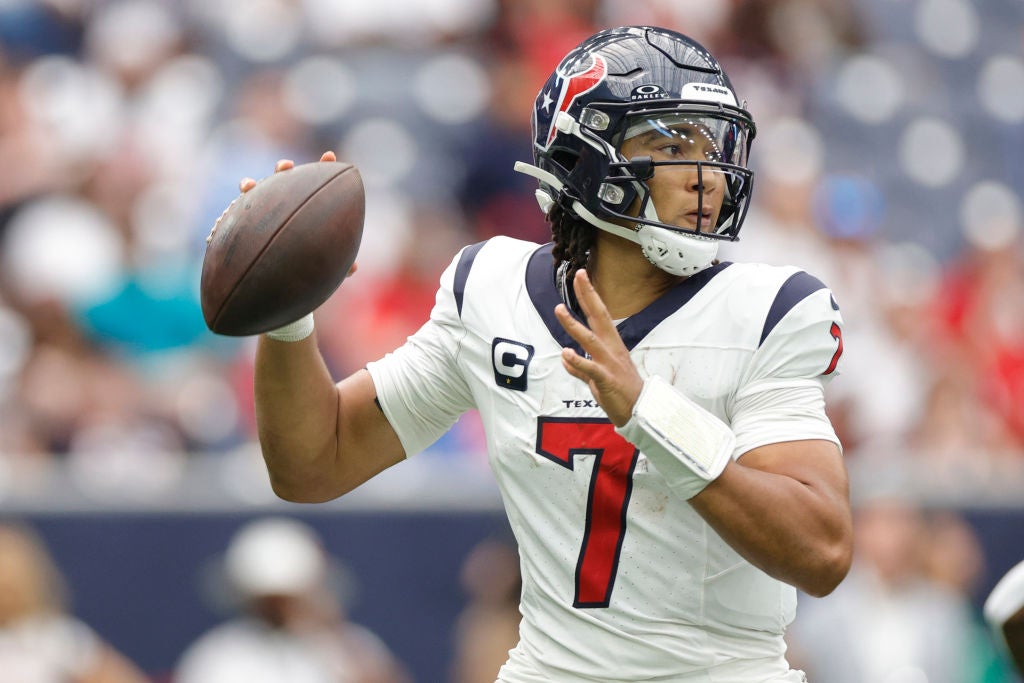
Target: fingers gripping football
282, 246
247, 184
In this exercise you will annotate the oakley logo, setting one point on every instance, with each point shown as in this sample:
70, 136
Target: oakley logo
648, 92
511, 360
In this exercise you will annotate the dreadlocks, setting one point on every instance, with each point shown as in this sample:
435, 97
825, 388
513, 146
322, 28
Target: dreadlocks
573, 238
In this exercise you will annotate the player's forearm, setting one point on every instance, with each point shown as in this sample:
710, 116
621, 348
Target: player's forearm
297, 417
792, 530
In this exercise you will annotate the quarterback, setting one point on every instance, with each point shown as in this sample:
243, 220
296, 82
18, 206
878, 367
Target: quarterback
655, 418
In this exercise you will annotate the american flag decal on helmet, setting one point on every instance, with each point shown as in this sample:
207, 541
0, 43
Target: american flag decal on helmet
569, 87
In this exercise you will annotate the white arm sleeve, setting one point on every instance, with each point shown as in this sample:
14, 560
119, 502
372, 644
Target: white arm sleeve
791, 412
419, 386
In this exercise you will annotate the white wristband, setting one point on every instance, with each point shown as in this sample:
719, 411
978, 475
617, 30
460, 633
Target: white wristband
293, 332
688, 445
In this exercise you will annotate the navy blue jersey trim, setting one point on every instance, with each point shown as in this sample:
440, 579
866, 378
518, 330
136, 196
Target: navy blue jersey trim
636, 327
540, 285
543, 291
462, 272
798, 287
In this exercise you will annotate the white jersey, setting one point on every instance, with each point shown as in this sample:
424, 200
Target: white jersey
622, 580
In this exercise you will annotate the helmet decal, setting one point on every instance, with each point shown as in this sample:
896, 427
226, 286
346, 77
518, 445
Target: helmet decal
570, 87
708, 93
648, 92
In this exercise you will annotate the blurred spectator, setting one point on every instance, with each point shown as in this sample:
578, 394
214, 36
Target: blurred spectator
980, 311
526, 41
40, 642
292, 627
952, 556
388, 304
488, 627
891, 621
542, 31
496, 200
799, 37
31, 29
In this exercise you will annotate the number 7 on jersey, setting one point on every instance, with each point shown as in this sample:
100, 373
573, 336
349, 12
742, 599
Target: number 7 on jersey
611, 483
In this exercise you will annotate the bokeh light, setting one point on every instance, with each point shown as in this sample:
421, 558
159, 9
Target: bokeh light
452, 89
1001, 88
320, 90
383, 149
790, 152
869, 88
62, 248
991, 215
931, 152
949, 28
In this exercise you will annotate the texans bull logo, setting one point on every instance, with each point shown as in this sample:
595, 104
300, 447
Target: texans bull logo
561, 91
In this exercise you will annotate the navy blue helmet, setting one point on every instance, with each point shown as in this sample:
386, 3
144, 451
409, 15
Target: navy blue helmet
629, 81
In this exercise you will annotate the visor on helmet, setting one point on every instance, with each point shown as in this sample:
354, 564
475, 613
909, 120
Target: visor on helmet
688, 137
713, 145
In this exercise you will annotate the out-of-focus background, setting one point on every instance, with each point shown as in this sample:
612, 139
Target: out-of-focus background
889, 162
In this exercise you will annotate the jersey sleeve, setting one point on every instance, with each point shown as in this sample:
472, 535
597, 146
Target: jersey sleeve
419, 385
783, 395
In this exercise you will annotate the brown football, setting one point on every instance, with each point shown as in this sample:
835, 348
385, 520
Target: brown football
282, 248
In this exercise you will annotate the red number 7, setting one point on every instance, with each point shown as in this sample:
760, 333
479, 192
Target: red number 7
611, 482
837, 334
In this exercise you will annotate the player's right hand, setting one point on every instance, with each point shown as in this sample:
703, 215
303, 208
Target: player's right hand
247, 184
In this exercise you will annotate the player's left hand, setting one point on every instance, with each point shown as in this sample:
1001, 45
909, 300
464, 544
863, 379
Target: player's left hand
608, 370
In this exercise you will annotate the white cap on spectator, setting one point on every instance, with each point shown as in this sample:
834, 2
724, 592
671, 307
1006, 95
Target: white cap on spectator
62, 247
1007, 598
275, 556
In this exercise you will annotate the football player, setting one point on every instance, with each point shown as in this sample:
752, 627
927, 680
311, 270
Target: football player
655, 418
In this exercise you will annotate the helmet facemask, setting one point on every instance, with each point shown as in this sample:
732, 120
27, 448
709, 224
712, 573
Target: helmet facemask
706, 153
703, 146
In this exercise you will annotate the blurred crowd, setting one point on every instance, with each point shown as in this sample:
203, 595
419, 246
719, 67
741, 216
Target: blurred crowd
283, 599
885, 163
41, 641
906, 613
288, 621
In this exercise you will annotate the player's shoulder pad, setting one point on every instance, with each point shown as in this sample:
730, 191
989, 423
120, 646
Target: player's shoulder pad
797, 289
801, 329
493, 259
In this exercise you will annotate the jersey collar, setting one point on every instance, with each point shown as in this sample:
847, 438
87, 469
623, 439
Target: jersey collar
543, 290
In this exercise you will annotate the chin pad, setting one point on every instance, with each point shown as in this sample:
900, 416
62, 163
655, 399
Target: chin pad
677, 253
